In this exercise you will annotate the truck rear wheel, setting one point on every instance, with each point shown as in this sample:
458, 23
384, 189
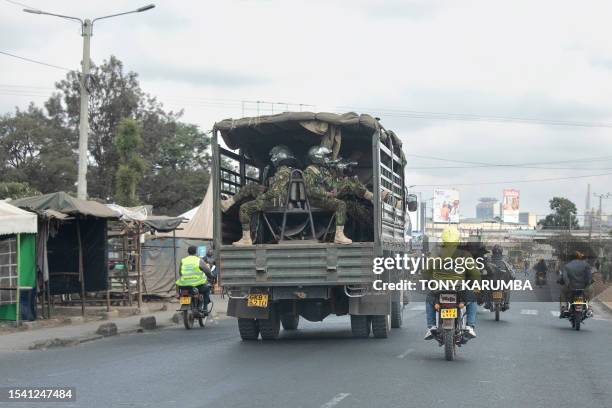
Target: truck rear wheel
270, 327
380, 326
360, 326
248, 328
290, 322
397, 314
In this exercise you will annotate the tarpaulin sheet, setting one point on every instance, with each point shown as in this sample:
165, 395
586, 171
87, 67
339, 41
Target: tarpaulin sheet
14, 220
65, 204
159, 265
63, 255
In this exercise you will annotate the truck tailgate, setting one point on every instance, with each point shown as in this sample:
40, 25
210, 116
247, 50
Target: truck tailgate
296, 264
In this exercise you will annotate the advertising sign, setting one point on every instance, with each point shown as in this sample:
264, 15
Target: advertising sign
446, 205
510, 205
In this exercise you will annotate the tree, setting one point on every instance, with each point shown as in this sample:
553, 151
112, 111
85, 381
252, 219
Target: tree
175, 151
131, 166
14, 190
179, 172
37, 150
563, 215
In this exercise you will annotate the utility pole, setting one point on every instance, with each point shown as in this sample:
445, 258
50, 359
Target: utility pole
87, 28
86, 32
601, 197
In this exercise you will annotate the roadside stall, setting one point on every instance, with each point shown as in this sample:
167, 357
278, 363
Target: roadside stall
17, 263
72, 246
129, 273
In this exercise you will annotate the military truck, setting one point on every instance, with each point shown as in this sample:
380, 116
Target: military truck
294, 269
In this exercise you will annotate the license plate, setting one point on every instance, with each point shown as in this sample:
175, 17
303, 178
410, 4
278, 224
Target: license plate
448, 313
185, 300
579, 300
498, 295
258, 300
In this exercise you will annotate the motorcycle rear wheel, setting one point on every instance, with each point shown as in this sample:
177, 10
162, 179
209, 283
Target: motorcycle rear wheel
497, 311
449, 345
577, 321
188, 319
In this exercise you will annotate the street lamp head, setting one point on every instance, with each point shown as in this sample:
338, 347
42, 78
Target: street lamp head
145, 8
33, 11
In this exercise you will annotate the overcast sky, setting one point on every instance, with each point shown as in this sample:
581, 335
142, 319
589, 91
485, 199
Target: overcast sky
545, 60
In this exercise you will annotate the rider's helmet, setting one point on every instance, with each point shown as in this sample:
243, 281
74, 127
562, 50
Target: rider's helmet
497, 250
450, 236
319, 155
281, 155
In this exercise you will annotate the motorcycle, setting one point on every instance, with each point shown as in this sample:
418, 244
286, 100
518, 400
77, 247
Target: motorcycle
496, 302
578, 309
540, 278
450, 316
192, 308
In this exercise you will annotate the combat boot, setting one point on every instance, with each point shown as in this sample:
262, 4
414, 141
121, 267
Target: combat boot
368, 195
226, 204
245, 240
340, 237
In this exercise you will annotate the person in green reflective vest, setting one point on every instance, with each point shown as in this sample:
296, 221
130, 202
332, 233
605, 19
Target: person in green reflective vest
195, 273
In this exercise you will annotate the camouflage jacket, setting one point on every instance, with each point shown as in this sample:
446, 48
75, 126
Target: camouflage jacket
319, 178
278, 185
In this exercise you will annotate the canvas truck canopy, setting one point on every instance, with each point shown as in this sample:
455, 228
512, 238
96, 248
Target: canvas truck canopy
65, 204
14, 220
257, 135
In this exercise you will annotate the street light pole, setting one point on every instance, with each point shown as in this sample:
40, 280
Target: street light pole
86, 32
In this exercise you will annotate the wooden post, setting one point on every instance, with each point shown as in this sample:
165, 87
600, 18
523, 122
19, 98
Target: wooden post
81, 272
174, 253
138, 269
17, 254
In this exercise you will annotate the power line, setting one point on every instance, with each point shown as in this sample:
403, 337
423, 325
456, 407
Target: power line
485, 164
513, 181
35, 61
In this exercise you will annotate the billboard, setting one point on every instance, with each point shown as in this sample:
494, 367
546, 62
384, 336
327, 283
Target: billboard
510, 205
446, 205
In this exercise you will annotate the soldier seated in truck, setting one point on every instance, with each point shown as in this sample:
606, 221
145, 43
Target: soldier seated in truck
283, 160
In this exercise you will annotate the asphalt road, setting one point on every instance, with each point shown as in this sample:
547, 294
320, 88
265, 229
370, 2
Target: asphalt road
530, 358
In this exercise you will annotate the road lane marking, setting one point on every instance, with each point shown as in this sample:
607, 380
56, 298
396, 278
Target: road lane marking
405, 353
336, 400
418, 307
555, 313
532, 312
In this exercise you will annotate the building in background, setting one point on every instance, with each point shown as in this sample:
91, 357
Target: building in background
528, 218
488, 208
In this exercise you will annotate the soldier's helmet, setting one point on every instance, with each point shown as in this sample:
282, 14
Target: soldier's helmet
497, 250
281, 155
319, 155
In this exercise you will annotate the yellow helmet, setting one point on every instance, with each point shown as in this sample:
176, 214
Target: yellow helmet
450, 235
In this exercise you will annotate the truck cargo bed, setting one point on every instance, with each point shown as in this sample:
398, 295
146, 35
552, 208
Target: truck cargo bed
296, 264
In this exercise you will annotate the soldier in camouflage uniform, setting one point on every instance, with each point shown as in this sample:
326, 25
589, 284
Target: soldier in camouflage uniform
324, 187
282, 159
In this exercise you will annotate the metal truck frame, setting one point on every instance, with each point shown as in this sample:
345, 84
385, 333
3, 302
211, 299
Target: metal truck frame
273, 284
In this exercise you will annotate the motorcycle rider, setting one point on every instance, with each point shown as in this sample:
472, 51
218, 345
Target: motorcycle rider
541, 268
450, 240
499, 269
195, 273
576, 274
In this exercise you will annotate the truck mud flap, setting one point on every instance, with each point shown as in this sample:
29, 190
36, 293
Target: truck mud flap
378, 304
239, 308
